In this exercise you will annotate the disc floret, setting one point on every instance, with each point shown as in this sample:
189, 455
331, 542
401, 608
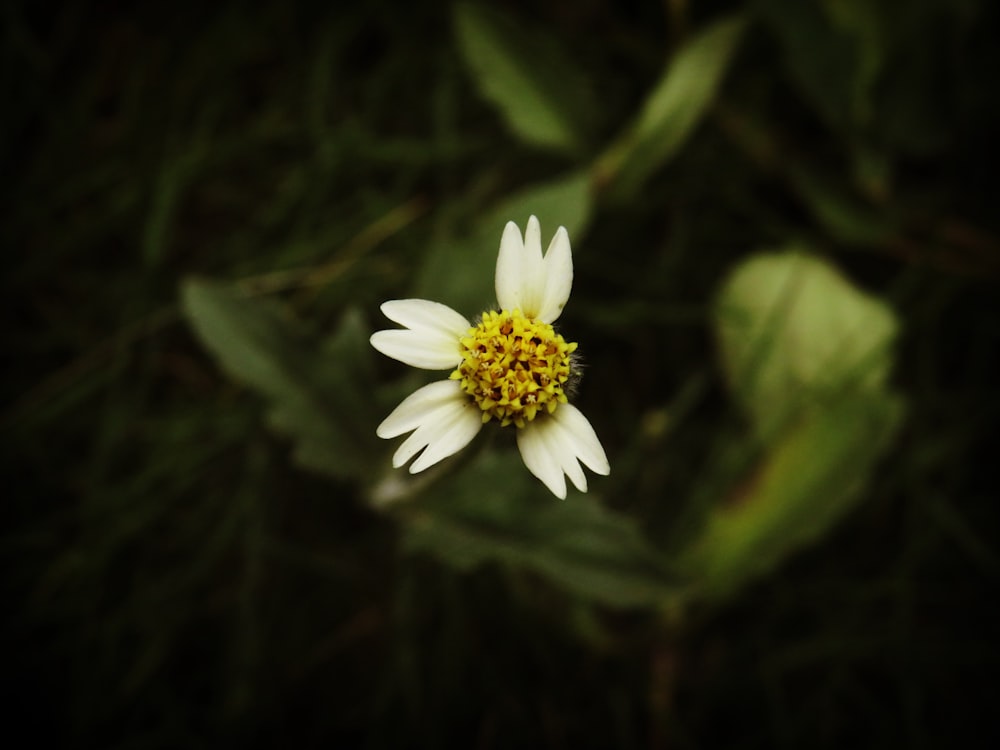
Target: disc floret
514, 367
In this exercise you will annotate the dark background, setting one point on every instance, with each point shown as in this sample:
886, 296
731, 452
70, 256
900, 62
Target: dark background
172, 578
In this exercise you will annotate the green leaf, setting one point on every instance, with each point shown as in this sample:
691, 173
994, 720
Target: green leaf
460, 272
541, 94
318, 392
494, 510
343, 376
793, 332
807, 355
844, 216
808, 480
864, 67
673, 109
821, 58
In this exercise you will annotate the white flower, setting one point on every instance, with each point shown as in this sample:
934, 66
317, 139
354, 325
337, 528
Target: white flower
511, 366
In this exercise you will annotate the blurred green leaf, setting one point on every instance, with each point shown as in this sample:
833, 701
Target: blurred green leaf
540, 92
808, 480
862, 21
842, 214
318, 391
494, 510
673, 109
793, 332
823, 58
807, 356
460, 272
864, 67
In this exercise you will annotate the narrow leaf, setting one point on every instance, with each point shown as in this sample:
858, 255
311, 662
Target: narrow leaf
315, 390
808, 480
540, 93
673, 109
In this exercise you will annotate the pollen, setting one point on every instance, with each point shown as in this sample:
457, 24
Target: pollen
514, 367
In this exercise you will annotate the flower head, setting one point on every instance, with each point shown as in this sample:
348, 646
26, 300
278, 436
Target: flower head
511, 367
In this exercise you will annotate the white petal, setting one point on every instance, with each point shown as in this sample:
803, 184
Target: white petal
448, 436
563, 454
538, 287
420, 406
540, 462
533, 279
558, 277
520, 274
576, 430
428, 350
425, 314
533, 238
562, 448
552, 447
430, 339
443, 419
508, 273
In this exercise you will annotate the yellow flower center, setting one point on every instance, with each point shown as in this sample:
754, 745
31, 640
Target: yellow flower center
514, 367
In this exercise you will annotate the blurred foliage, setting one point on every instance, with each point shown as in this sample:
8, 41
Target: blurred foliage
544, 97
206, 543
794, 335
316, 388
672, 110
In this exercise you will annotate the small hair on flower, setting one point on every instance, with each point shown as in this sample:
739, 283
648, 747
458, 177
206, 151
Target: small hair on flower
511, 367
